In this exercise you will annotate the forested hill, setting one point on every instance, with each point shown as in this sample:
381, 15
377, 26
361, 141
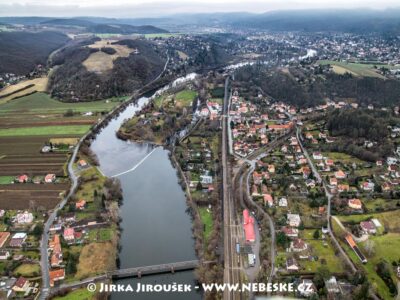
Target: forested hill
20, 52
114, 28
74, 79
312, 90
336, 20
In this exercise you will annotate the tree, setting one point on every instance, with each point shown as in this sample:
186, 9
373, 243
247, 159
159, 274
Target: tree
282, 240
199, 186
38, 230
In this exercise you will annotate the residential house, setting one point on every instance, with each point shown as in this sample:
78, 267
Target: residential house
56, 275
268, 200
333, 181
18, 239
283, 202
340, 174
298, 245
368, 227
22, 178
21, 285
317, 155
4, 255
81, 204
69, 235
290, 232
49, 178
293, 220
368, 186
24, 218
343, 188
355, 204
292, 265
57, 255
82, 163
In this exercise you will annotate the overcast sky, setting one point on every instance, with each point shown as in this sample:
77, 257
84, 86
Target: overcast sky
149, 8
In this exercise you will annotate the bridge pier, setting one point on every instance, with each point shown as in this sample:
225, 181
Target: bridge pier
139, 274
172, 270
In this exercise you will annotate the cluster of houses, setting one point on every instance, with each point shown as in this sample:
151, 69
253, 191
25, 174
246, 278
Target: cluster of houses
15, 288
15, 239
252, 129
198, 166
212, 110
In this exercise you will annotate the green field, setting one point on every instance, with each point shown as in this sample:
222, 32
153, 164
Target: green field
357, 69
384, 247
324, 253
45, 130
6, 179
28, 270
185, 97
390, 220
43, 103
206, 218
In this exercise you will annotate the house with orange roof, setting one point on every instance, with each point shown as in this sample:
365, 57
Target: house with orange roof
343, 188
80, 204
340, 174
57, 255
56, 275
82, 163
355, 204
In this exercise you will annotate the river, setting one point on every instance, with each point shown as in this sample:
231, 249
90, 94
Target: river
155, 225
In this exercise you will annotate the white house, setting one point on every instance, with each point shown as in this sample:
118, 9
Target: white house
24, 218
293, 220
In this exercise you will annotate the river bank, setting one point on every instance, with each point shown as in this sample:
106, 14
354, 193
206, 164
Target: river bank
150, 217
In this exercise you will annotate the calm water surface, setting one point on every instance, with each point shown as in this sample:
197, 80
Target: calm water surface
155, 226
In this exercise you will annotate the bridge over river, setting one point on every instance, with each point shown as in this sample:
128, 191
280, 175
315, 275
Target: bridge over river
154, 269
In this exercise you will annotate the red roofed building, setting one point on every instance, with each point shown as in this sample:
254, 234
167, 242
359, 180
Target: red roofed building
80, 204
69, 235
50, 178
248, 225
268, 200
56, 275
23, 178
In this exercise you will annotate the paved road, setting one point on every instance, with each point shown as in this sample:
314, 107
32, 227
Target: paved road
44, 255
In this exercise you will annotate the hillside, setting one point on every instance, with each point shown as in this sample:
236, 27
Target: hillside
94, 27
305, 89
20, 52
77, 77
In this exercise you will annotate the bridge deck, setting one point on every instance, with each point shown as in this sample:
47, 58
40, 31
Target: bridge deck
154, 269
